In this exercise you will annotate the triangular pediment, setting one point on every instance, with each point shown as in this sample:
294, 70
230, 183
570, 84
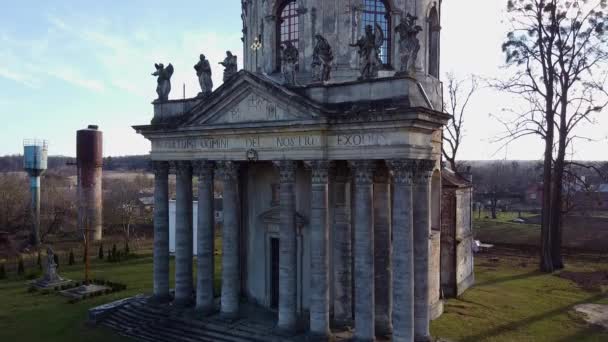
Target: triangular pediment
250, 99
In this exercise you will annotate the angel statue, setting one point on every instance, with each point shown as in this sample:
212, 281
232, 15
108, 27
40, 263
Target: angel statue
409, 45
369, 51
203, 71
230, 66
164, 81
289, 61
322, 58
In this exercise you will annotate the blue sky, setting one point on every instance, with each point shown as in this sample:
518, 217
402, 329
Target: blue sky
66, 64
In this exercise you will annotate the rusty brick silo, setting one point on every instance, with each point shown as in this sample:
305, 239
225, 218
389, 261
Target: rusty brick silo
89, 159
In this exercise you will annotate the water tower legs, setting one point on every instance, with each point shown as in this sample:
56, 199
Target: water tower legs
35, 192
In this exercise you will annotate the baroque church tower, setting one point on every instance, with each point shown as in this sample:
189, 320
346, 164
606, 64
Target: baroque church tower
269, 24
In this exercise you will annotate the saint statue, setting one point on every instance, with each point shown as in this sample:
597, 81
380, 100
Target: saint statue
409, 45
289, 61
50, 273
369, 51
322, 59
163, 80
203, 71
230, 66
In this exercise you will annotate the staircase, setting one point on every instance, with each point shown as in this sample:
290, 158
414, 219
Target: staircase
143, 322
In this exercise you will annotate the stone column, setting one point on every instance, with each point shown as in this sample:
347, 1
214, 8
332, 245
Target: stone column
231, 276
382, 253
183, 234
403, 251
319, 251
363, 172
342, 246
161, 231
205, 238
287, 247
422, 230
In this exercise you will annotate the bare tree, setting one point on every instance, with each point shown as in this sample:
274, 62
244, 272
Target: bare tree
557, 50
14, 200
121, 206
459, 96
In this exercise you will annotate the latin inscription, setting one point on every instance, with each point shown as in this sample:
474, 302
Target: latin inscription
269, 142
361, 139
297, 141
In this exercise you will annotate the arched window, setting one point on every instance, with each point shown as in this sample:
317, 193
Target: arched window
378, 12
287, 26
433, 48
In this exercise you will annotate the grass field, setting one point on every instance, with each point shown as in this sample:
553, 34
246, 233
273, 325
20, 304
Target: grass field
582, 233
511, 302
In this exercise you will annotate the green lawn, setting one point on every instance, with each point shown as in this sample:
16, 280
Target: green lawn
511, 302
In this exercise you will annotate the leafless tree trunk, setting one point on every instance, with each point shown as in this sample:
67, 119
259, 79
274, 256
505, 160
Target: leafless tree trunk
454, 131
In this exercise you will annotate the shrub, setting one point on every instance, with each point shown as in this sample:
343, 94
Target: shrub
71, 258
100, 252
20, 267
2, 272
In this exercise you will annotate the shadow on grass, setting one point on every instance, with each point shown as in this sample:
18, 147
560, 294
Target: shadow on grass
582, 334
531, 319
511, 278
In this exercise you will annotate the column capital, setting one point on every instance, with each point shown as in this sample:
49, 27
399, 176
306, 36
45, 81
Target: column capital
320, 171
402, 170
181, 167
287, 170
204, 168
227, 170
423, 171
161, 168
363, 171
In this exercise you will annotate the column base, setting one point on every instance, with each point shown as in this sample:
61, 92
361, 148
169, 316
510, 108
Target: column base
160, 299
310, 336
205, 311
423, 339
183, 303
229, 316
383, 330
342, 323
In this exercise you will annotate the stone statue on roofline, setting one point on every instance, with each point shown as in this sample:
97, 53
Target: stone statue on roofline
369, 51
289, 61
230, 65
163, 87
409, 45
322, 59
203, 71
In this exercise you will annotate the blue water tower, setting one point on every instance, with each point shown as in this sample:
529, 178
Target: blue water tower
35, 163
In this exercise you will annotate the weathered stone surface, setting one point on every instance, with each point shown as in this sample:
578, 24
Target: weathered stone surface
383, 273
231, 273
287, 248
183, 234
363, 172
342, 247
161, 231
403, 251
319, 250
205, 237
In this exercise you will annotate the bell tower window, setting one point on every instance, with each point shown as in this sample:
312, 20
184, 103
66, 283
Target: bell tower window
287, 26
378, 12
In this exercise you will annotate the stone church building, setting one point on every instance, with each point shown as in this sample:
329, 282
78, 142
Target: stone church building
328, 145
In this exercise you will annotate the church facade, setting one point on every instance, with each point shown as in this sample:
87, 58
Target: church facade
328, 147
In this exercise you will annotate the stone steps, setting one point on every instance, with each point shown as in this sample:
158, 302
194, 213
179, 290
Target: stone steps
147, 323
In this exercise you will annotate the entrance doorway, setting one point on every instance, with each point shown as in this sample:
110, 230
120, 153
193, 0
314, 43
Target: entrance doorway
274, 273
